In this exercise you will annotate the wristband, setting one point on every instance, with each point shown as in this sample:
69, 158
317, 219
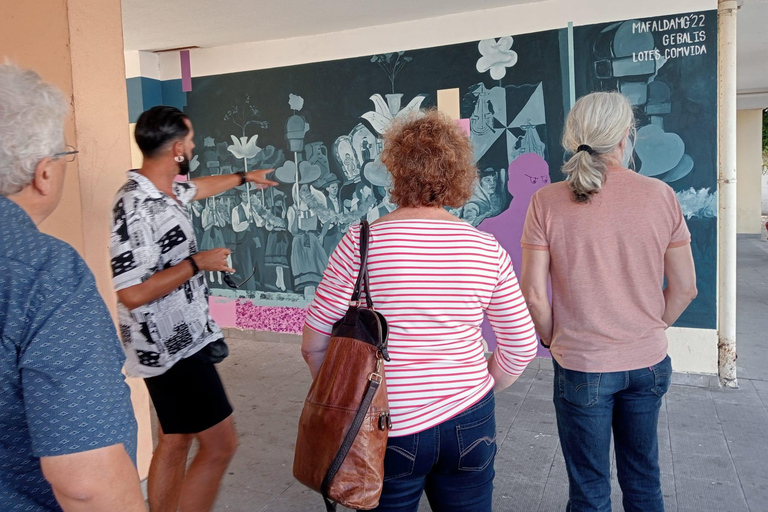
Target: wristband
195, 268
242, 177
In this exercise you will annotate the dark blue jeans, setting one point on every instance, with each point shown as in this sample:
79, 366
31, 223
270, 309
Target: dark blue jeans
591, 405
452, 462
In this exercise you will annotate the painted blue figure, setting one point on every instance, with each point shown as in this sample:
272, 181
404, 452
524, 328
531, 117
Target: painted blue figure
366, 150
247, 225
278, 242
308, 258
334, 228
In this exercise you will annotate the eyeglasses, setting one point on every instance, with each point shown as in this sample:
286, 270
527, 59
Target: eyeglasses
231, 282
70, 154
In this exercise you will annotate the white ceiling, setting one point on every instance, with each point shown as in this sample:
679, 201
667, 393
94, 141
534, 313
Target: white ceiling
164, 24
752, 49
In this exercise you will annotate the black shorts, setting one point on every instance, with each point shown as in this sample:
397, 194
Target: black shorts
189, 397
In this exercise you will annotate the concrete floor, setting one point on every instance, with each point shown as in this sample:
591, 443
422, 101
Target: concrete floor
713, 442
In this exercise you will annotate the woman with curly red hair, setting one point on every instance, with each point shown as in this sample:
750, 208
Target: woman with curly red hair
433, 276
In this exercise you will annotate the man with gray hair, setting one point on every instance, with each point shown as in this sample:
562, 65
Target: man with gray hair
67, 430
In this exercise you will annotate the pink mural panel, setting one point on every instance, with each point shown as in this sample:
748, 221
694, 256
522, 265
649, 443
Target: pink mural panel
269, 318
223, 311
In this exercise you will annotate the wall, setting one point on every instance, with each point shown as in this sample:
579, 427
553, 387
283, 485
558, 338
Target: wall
691, 349
21, 42
457, 28
61, 41
749, 170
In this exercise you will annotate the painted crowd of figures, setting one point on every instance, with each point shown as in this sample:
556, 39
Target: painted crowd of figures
281, 238
277, 245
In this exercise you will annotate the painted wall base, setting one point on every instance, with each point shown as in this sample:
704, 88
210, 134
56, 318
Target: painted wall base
693, 350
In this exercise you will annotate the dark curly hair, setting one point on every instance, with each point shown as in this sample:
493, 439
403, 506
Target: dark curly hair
431, 161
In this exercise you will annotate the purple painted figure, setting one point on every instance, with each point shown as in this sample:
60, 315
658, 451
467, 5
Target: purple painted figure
527, 174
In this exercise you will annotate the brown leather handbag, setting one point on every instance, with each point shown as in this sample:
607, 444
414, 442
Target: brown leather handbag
345, 421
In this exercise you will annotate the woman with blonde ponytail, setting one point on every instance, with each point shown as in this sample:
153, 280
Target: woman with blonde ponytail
606, 239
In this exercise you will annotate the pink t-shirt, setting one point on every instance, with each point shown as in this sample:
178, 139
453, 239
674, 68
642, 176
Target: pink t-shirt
607, 269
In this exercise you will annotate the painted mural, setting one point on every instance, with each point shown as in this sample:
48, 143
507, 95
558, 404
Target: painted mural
320, 126
667, 67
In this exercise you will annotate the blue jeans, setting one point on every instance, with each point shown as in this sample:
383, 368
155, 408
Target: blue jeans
591, 405
452, 462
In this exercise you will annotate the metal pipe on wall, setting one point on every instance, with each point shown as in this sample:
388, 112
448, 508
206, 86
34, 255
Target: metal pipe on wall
727, 15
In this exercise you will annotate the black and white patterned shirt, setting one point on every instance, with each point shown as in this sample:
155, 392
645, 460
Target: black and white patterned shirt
152, 232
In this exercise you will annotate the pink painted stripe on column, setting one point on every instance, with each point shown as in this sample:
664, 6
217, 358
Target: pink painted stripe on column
186, 71
464, 123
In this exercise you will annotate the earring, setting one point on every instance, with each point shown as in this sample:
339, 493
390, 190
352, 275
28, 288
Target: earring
179, 158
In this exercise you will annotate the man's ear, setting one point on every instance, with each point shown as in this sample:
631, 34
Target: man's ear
178, 149
43, 181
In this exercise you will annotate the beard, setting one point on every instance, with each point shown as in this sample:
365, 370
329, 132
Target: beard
184, 166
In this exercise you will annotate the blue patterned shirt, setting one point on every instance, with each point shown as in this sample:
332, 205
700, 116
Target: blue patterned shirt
61, 386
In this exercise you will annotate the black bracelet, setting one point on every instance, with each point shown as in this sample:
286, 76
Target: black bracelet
242, 177
195, 268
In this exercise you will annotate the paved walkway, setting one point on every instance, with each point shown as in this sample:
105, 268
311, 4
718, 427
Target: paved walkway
713, 442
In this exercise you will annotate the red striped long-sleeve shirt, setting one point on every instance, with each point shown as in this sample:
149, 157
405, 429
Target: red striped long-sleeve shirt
432, 280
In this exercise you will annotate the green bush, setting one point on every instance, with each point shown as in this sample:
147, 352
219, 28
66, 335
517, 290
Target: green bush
765, 136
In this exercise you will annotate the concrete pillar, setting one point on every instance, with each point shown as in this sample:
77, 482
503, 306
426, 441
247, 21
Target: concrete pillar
727, 15
78, 46
36, 35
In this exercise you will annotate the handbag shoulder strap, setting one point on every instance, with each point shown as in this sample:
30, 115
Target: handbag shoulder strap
346, 445
362, 277
361, 284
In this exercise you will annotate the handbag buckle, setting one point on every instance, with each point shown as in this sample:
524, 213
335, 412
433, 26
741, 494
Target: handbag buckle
357, 303
376, 373
385, 421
